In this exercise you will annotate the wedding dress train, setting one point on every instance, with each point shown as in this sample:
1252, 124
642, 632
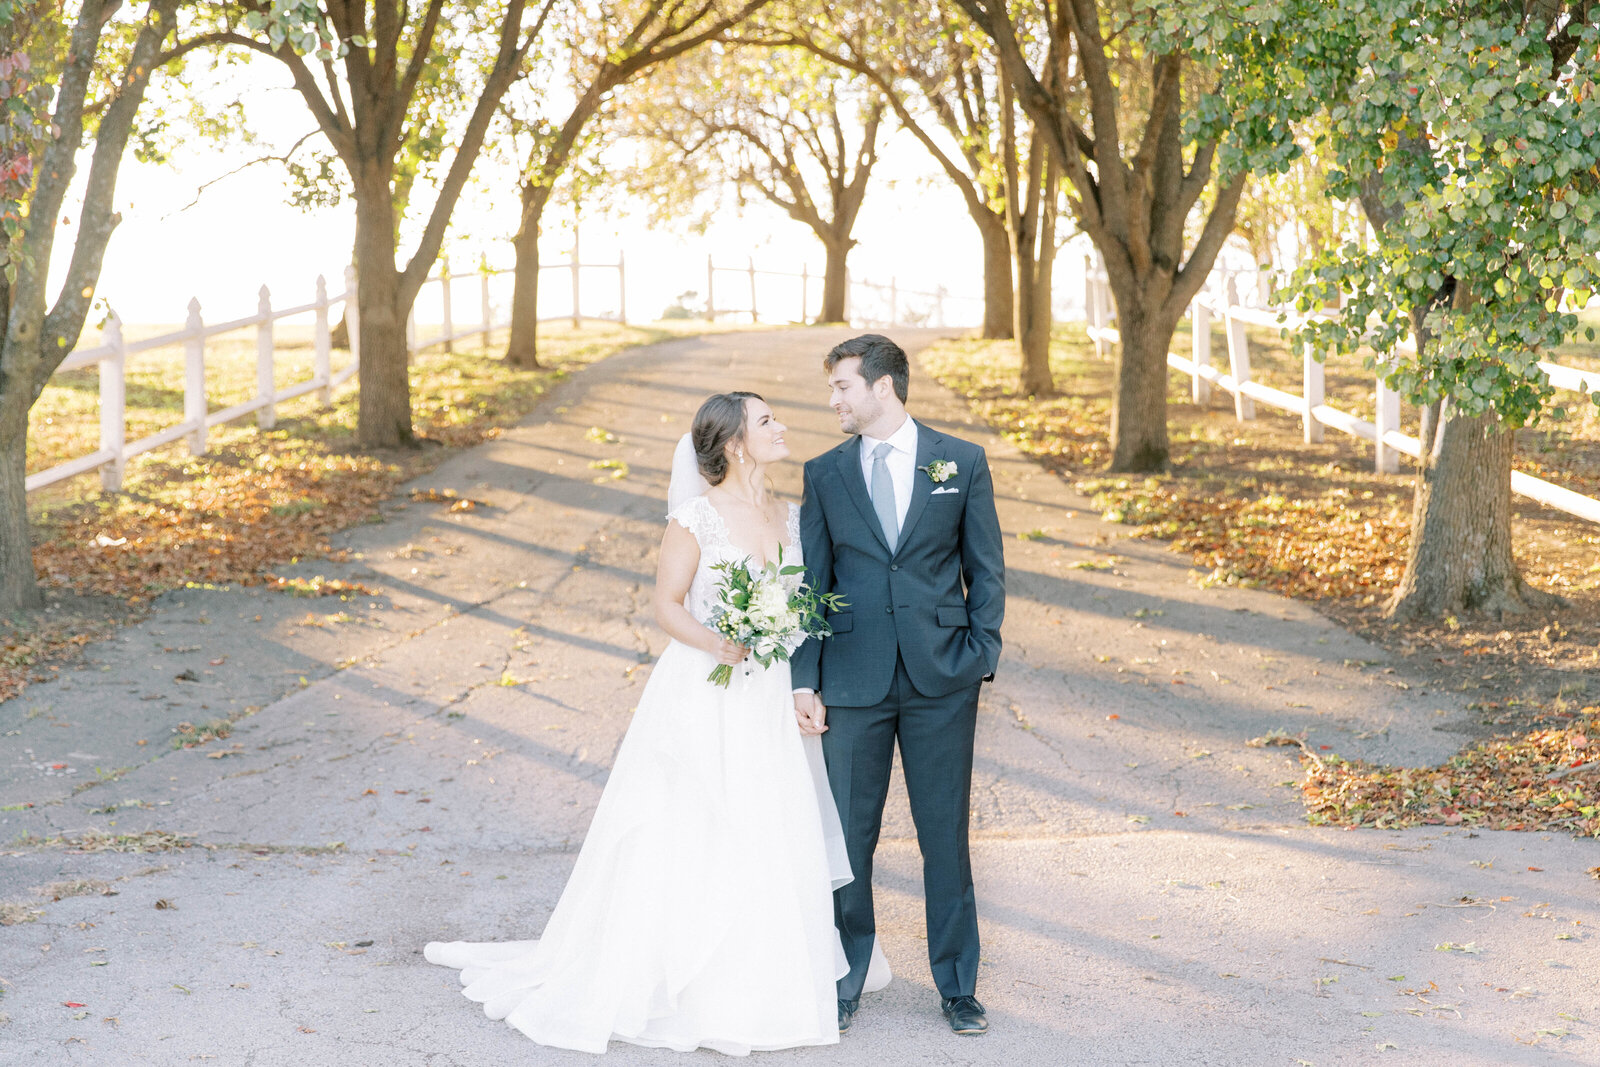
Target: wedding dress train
699, 913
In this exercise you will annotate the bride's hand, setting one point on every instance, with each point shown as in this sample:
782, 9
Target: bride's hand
729, 653
810, 713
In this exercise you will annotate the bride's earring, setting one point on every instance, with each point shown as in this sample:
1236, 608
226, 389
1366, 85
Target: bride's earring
740, 454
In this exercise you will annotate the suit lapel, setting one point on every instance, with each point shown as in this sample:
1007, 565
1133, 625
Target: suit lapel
850, 473
930, 446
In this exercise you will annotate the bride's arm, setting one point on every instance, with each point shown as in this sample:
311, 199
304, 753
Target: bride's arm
680, 555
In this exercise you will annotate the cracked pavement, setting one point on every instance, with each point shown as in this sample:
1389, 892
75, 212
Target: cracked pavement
420, 762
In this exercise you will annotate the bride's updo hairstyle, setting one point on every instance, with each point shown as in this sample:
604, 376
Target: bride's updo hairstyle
719, 422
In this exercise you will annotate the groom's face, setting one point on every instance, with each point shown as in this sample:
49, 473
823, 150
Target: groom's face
857, 404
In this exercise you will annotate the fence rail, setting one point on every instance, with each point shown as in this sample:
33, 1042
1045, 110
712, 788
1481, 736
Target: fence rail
112, 354
897, 302
1310, 405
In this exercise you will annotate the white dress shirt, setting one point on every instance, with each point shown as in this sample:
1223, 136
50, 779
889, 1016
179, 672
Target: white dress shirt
902, 465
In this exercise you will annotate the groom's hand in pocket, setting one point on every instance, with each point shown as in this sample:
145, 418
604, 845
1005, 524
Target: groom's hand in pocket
809, 712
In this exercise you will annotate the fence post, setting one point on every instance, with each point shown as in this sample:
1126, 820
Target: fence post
894, 300
1200, 350
444, 300
1316, 392
755, 316
711, 274
938, 305
1095, 304
352, 315
267, 416
194, 380
484, 308
113, 406
805, 293
577, 304
1385, 459
1238, 353
322, 365
622, 289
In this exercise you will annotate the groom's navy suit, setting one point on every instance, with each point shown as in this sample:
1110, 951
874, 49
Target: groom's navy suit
906, 659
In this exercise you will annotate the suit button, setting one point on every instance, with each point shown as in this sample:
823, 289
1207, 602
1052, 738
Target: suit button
894, 566
889, 611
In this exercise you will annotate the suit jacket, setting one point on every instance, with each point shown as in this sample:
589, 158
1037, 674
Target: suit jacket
937, 601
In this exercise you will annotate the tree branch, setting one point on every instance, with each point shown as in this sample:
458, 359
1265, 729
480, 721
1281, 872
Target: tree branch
508, 61
247, 164
419, 61
64, 323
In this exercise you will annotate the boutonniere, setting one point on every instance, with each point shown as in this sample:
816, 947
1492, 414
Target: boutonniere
941, 470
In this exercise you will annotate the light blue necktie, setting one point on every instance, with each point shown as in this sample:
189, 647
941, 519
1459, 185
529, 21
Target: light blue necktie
883, 494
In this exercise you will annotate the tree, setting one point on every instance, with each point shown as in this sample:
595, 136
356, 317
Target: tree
790, 128
1032, 184
70, 83
605, 48
933, 69
371, 105
1218, 88
1471, 135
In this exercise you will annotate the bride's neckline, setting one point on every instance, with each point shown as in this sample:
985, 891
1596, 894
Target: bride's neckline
727, 532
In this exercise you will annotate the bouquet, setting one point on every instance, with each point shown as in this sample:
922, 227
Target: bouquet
770, 611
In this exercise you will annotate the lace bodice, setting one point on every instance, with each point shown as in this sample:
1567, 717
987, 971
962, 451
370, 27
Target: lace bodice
700, 518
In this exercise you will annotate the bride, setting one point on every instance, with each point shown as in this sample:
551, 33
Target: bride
699, 913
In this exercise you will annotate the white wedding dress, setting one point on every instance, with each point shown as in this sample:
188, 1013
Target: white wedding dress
700, 912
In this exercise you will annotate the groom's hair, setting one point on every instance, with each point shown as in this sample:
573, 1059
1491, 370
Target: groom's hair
878, 356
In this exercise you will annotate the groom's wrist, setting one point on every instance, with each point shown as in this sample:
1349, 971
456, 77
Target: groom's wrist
803, 689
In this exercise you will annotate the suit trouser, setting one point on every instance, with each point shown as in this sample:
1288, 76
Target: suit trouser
936, 740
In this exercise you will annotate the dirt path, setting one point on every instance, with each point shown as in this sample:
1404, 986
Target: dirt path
423, 761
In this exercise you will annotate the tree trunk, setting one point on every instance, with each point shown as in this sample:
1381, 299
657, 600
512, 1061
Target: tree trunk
1460, 554
1139, 441
997, 291
19, 588
834, 281
1035, 259
1033, 340
523, 348
384, 413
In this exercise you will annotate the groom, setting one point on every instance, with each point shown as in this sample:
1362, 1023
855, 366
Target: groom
900, 521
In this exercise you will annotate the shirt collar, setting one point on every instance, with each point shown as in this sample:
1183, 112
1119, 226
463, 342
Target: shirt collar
903, 440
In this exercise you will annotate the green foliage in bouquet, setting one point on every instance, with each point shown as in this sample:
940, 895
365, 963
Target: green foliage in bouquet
767, 614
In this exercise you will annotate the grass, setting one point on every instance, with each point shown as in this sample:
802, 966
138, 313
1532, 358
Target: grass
256, 499
260, 498
1250, 499
1251, 503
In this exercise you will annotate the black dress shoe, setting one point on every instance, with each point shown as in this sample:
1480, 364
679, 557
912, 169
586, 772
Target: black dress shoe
965, 1015
847, 1012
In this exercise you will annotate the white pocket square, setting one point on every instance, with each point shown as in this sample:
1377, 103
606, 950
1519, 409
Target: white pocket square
946, 489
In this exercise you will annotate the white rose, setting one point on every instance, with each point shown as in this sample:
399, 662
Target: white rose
770, 602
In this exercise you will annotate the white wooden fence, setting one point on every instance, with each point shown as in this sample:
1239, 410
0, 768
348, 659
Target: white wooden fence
111, 357
866, 303
113, 352
1311, 404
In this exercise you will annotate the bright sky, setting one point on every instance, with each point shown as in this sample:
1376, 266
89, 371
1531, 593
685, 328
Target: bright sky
241, 234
